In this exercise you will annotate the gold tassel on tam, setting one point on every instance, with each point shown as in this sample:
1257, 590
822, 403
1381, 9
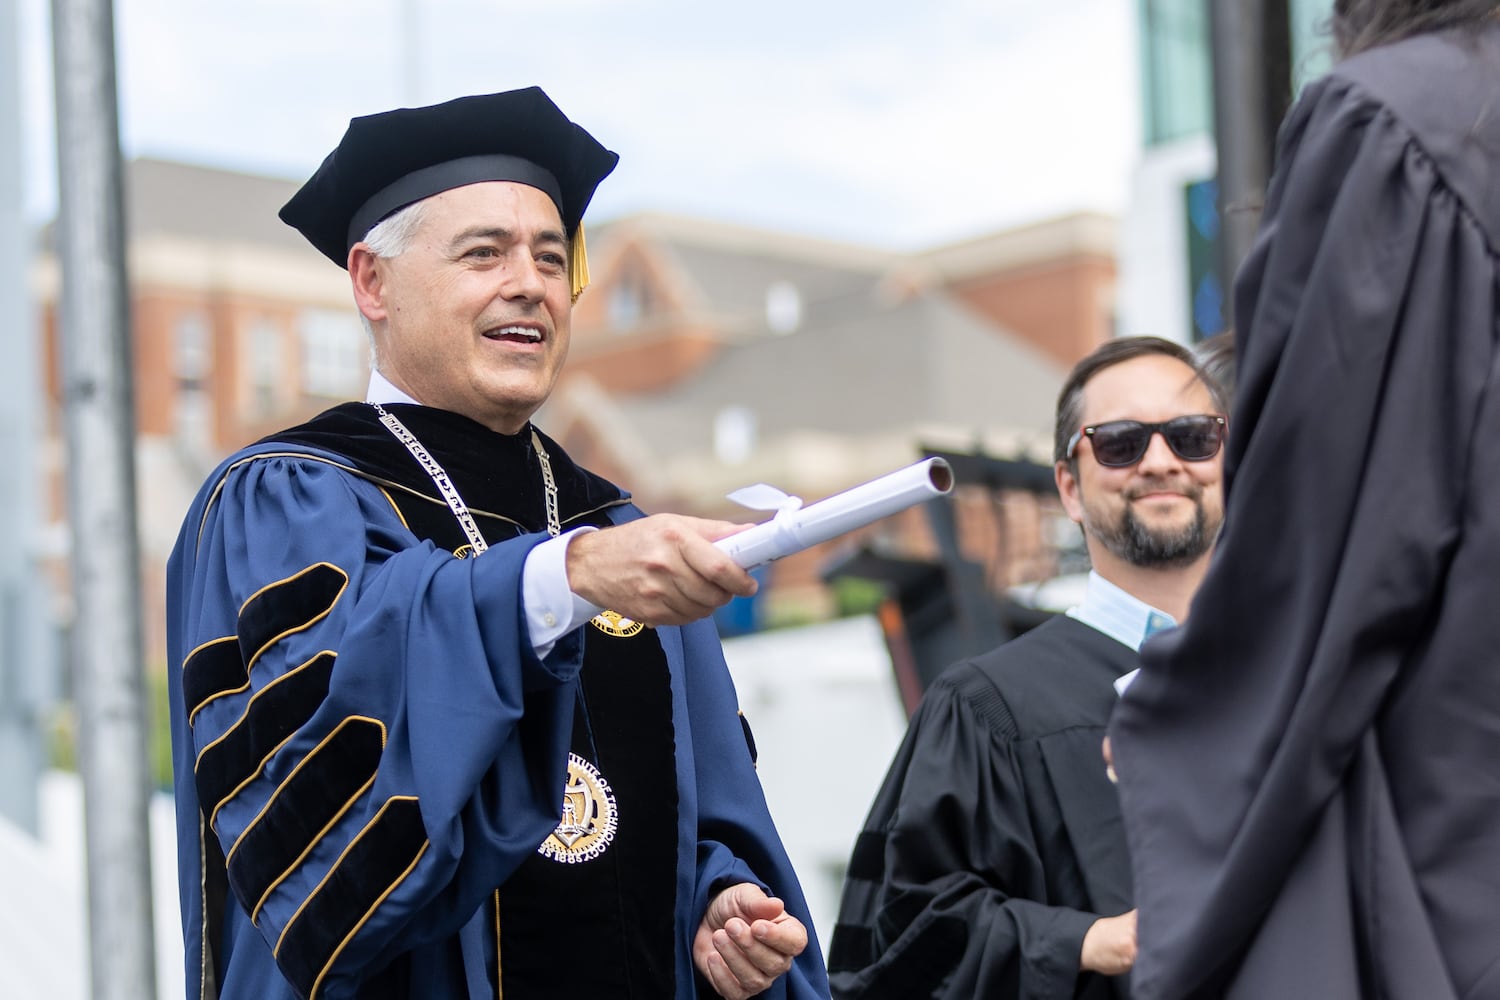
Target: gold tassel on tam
578, 264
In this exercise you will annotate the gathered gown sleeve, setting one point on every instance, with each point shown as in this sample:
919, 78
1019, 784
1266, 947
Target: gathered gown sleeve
944, 890
369, 738
1264, 838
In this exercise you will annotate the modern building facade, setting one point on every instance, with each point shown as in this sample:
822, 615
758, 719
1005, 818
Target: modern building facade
1170, 283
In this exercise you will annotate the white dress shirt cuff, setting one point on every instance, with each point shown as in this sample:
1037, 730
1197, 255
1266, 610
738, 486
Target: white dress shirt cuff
552, 609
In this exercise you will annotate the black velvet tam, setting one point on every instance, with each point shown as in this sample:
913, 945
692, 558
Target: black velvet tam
390, 160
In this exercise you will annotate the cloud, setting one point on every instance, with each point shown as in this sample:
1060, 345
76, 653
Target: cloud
894, 123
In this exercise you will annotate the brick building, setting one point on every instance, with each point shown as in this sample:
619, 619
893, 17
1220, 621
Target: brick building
238, 327
704, 357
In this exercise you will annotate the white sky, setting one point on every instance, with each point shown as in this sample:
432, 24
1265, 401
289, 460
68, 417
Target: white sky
896, 123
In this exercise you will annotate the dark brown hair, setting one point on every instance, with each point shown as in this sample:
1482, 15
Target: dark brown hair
1107, 355
1216, 357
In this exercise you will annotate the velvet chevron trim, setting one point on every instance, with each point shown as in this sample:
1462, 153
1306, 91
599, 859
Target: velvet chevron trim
373, 866
867, 862
851, 948
222, 666
499, 952
279, 609
270, 718
319, 792
213, 670
749, 740
213, 889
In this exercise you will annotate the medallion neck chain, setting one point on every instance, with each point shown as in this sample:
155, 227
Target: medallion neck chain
549, 485
445, 486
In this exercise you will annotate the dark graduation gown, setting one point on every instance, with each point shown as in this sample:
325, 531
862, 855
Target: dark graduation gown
1310, 767
995, 841
369, 754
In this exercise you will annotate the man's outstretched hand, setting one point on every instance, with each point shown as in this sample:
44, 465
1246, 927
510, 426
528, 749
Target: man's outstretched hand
661, 570
746, 941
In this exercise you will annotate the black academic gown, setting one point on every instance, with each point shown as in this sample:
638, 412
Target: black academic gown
1310, 767
995, 841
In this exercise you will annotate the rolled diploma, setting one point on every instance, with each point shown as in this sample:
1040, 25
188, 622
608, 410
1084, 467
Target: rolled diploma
793, 530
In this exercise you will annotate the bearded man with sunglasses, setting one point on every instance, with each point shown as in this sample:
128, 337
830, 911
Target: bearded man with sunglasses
993, 862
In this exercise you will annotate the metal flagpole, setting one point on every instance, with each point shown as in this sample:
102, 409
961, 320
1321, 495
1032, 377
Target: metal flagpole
409, 50
26, 669
100, 421
1252, 78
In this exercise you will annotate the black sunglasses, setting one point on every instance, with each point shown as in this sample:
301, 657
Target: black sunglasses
1120, 443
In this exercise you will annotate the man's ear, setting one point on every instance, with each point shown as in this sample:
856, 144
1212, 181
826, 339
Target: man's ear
368, 278
1066, 478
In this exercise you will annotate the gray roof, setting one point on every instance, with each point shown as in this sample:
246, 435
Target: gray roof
736, 281
207, 203
725, 270
876, 369
167, 198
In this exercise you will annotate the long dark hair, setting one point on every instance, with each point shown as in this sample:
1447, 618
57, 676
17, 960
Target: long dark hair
1363, 24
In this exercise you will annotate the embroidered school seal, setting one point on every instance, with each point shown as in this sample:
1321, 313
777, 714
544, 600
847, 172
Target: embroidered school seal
615, 624
589, 816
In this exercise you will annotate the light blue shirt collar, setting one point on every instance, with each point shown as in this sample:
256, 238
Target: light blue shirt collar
1119, 615
382, 391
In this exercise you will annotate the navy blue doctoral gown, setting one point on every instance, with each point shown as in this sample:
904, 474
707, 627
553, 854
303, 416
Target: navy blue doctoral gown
421, 742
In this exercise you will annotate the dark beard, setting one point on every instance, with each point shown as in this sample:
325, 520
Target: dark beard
1141, 546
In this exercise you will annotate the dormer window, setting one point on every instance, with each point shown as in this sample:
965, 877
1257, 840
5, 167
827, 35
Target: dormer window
783, 307
629, 300
734, 434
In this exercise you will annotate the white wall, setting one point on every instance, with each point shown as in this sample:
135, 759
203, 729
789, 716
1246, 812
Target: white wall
1153, 290
823, 705
44, 919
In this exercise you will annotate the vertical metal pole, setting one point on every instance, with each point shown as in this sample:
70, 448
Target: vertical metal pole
1252, 80
100, 421
24, 668
409, 48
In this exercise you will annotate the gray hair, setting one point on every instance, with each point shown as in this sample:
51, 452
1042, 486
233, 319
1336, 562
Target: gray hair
391, 237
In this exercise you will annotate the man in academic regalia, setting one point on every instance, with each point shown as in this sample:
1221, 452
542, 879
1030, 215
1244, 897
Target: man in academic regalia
992, 863
447, 717
1310, 768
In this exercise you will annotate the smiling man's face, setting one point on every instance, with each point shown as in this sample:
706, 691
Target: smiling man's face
1163, 511
474, 317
